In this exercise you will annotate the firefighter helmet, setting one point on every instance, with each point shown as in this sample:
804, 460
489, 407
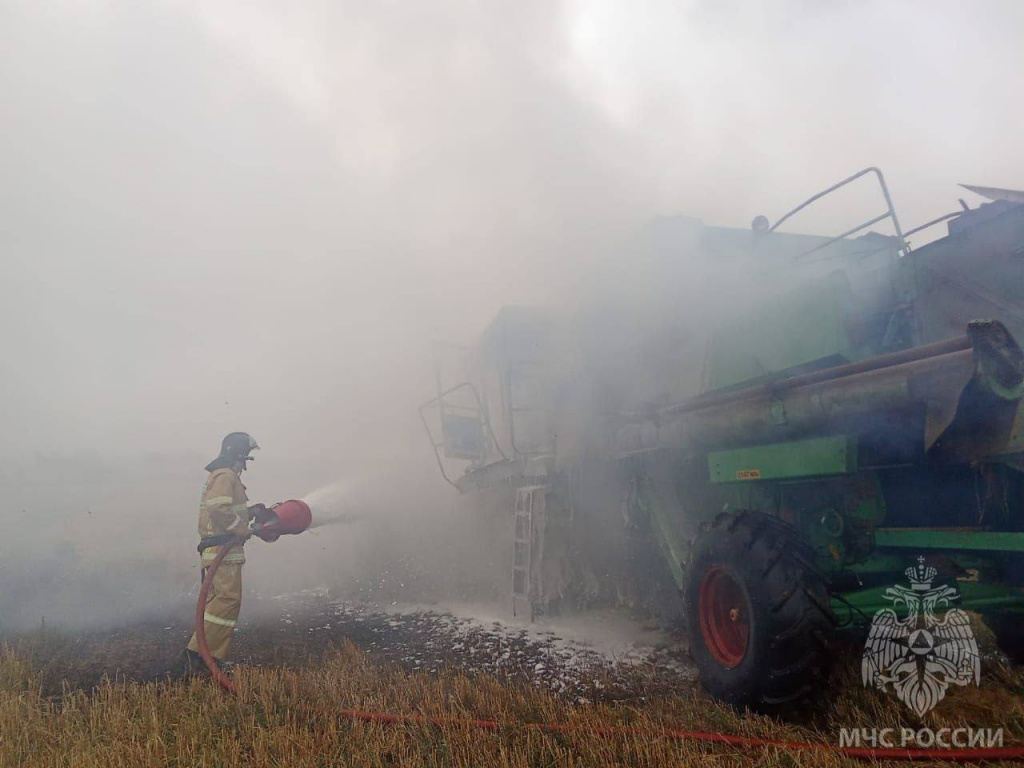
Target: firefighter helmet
234, 448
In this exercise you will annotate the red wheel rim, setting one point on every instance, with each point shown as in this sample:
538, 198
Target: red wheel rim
724, 617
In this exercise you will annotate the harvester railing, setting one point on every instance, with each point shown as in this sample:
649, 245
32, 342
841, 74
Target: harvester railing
933, 222
439, 403
890, 213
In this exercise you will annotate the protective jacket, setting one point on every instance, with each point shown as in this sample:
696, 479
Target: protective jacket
223, 509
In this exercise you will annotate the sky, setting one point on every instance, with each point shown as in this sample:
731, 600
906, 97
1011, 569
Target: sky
753, 106
253, 215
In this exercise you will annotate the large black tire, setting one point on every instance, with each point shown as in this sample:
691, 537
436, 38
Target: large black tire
1009, 631
758, 613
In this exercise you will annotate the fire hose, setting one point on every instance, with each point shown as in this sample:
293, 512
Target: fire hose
747, 742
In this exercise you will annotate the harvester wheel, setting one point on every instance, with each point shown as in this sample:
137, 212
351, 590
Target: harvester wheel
1009, 631
758, 612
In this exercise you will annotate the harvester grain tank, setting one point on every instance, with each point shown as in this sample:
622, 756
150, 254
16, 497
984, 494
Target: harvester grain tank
857, 407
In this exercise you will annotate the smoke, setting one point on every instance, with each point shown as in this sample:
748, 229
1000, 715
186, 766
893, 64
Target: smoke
223, 216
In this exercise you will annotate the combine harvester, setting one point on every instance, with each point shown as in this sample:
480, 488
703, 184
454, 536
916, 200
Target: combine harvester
857, 412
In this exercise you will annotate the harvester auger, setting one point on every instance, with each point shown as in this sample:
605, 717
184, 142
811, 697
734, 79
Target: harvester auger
822, 480
858, 413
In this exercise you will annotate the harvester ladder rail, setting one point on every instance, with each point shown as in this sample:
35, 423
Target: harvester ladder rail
522, 547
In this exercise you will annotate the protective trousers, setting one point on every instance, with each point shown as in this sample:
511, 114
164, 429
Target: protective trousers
223, 603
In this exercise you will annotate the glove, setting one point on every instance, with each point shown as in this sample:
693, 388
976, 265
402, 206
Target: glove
258, 529
261, 513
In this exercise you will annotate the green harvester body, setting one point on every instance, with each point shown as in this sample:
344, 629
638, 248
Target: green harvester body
862, 391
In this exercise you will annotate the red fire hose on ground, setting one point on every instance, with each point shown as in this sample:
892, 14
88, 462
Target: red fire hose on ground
748, 742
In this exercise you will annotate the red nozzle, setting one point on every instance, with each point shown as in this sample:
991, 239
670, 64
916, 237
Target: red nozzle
290, 517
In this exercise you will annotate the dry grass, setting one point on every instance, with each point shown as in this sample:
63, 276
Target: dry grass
282, 717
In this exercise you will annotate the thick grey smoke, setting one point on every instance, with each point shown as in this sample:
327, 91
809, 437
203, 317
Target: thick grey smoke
193, 247
221, 216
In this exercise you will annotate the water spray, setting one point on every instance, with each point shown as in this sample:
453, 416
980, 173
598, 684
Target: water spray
328, 501
343, 519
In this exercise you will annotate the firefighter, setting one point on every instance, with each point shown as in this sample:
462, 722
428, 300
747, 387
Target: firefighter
224, 515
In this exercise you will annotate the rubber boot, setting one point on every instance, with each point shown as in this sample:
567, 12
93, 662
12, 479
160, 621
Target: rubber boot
192, 665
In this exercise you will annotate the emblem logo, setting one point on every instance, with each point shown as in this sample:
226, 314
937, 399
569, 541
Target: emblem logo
924, 653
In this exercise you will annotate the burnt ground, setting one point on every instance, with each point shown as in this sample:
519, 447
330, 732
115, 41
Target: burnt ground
599, 657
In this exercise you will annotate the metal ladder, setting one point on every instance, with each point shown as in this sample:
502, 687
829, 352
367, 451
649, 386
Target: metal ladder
522, 545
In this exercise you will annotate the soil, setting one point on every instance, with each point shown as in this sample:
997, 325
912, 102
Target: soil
598, 657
